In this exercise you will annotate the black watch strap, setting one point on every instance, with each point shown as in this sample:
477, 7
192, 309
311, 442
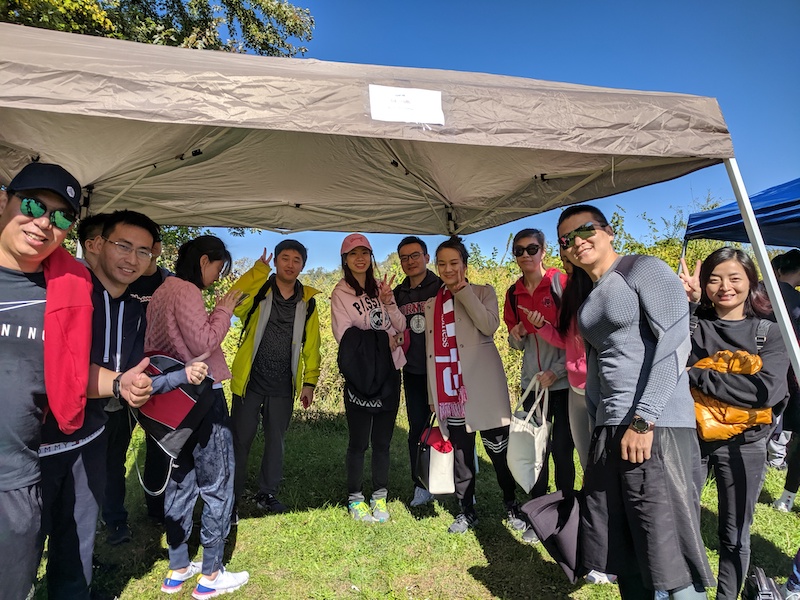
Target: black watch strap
115, 387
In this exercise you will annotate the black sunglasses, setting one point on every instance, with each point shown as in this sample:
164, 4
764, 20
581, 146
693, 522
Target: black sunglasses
584, 232
531, 249
35, 208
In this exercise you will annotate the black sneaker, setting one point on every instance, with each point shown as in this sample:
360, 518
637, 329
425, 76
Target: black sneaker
118, 534
514, 517
270, 503
463, 521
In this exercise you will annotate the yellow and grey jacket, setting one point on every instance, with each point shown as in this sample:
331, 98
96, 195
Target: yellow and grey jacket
305, 335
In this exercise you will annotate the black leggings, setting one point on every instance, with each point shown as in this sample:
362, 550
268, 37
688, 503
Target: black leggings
364, 427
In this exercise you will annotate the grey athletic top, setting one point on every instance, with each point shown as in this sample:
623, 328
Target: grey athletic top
636, 330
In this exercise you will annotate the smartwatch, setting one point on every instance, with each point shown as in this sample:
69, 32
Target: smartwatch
115, 387
640, 425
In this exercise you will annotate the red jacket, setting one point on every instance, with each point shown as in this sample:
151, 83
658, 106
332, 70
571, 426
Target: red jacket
68, 338
541, 300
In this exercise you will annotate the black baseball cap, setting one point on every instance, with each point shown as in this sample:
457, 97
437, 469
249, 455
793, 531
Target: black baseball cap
54, 178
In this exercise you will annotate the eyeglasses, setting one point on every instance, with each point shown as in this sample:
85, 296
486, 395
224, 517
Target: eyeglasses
404, 258
584, 232
35, 208
531, 249
125, 250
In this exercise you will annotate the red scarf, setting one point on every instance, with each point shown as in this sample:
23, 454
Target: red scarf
450, 391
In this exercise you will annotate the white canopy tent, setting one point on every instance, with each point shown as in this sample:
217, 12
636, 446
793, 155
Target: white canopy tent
218, 139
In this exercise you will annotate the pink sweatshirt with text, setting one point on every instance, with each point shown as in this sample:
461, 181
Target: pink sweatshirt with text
349, 310
179, 325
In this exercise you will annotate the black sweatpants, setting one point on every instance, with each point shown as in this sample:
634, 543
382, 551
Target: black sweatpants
118, 438
419, 413
72, 493
561, 447
495, 442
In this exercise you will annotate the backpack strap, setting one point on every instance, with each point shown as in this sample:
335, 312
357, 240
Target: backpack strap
310, 306
761, 333
511, 298
260, 295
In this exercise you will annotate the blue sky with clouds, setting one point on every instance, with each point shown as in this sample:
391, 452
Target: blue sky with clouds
743, 53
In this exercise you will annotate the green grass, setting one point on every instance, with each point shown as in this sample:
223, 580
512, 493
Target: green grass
316, 551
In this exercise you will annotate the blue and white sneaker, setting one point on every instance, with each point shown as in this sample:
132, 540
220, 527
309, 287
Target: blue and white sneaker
224, 583
173, 582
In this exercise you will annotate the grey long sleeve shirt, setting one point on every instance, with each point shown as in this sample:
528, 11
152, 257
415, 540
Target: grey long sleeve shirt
637, 344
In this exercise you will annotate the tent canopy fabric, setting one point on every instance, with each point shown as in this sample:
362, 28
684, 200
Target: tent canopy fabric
777, 211
220, 139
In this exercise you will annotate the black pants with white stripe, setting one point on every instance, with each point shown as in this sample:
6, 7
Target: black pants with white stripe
495, 441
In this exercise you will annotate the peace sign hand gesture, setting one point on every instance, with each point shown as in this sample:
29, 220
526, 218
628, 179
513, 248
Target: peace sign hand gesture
691, 281
264, 258
385, 293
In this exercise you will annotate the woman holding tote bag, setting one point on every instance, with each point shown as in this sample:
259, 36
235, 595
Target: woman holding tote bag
467, 381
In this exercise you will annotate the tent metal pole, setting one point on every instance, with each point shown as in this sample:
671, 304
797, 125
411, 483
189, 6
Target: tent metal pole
760, 250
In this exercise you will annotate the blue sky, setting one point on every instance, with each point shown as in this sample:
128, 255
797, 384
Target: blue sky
743, 53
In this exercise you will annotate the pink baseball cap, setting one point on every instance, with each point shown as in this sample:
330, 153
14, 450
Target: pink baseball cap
354, 240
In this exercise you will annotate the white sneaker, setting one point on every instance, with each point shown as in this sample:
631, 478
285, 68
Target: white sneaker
600, 578
785, 502
421, 497
173, 582
787, 595
225, 583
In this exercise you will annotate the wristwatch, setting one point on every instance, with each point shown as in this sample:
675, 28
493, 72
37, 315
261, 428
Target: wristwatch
640, 425
115, 387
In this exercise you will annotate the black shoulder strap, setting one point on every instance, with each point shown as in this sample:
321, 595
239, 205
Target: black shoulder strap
761, 333
312, 303
260, 295
511, 297
625, 265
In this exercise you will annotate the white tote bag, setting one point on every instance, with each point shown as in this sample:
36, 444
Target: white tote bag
528, 437
435, 469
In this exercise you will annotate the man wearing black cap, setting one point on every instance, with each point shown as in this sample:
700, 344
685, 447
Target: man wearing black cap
278, 359
42, 288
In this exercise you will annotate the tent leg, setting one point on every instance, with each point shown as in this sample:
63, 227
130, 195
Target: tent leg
760, 250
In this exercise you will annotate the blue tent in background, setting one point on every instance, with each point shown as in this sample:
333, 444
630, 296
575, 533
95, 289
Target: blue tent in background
777, 211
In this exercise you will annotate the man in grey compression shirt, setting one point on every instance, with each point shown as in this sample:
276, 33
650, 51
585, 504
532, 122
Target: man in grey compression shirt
642, 514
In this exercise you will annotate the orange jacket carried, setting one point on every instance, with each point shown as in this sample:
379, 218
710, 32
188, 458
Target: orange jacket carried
717, 420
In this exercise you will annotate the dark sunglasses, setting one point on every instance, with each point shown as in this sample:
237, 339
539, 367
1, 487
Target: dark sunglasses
35, 208
584, 232
531, 249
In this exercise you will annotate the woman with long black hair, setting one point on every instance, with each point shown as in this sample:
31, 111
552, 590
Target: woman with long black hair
738, 359
179, 325
467, 381
367, 325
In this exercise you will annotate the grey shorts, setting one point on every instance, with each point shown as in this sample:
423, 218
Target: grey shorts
645, 517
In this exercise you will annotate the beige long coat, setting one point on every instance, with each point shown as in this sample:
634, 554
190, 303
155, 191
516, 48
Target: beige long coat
477, 318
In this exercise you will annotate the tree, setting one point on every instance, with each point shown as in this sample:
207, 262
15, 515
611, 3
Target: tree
261, 26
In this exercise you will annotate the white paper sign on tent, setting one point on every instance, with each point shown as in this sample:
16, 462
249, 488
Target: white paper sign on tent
405, 105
